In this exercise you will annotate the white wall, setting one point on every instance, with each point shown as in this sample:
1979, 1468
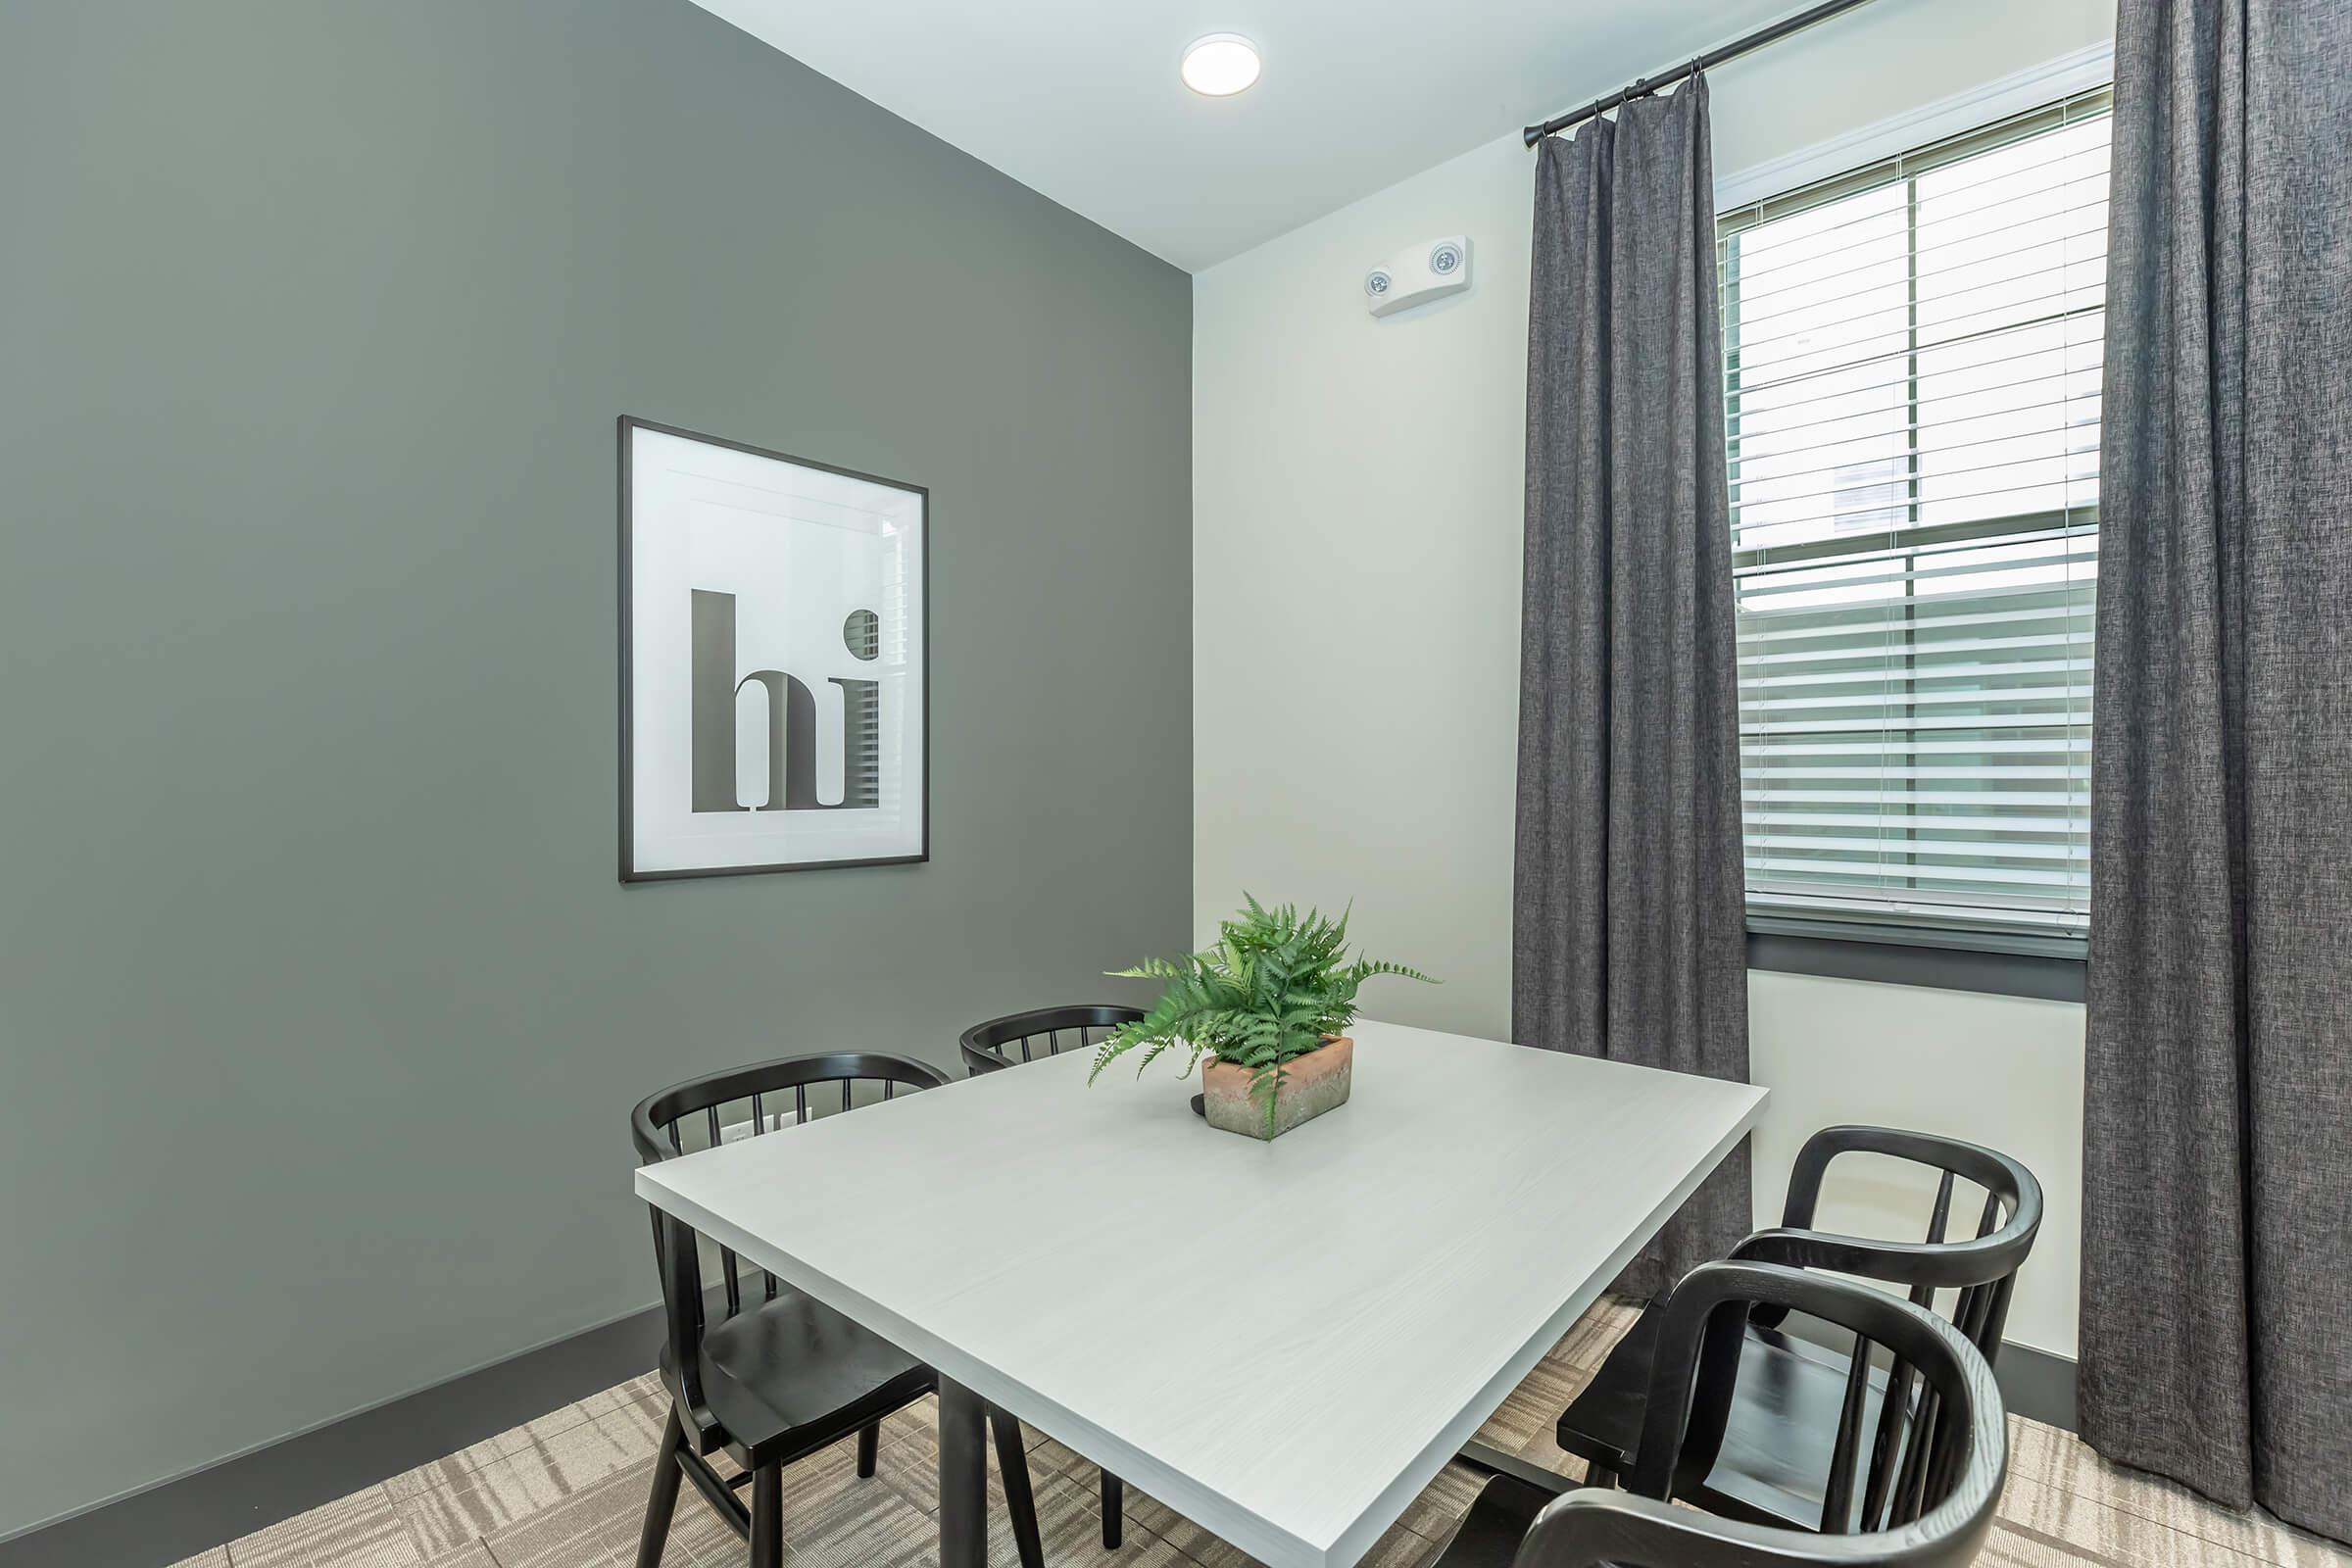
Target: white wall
1999, 1070
1356, 494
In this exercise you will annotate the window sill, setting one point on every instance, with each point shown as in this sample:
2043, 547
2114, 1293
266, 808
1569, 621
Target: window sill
2045, 965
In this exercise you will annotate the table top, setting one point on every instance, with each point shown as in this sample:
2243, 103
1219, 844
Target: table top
1282, 1341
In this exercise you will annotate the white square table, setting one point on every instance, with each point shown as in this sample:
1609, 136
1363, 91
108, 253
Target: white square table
1282, 1341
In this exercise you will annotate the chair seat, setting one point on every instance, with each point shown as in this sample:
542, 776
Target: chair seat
1775, 1460
786, 1377
1491, 1532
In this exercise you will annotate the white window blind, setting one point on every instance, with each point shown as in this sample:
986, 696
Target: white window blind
1912, 357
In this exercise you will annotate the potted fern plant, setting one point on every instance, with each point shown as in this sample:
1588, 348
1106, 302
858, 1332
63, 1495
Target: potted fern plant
1266, 1005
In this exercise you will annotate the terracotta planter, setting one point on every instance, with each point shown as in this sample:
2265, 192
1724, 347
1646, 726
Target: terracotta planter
1311, 1085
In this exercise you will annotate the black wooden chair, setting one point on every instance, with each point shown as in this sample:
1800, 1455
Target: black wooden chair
1021, 1037
1954, 1439
993, 1047
1784, 1415
754, 1366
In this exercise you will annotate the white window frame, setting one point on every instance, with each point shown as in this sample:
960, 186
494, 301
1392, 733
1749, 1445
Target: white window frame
2079, 72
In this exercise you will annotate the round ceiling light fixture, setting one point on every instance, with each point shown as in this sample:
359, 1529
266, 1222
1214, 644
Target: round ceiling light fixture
1221, 64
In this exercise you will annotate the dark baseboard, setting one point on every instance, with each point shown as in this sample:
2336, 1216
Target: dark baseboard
172, 1519
2038, 1385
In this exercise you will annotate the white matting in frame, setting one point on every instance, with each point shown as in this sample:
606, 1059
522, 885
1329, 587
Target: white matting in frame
773, 693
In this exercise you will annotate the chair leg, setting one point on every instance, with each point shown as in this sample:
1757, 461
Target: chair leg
768, 1518
1597, 1474
1012, 1466
654, 1538
1114, 1511
869, 1443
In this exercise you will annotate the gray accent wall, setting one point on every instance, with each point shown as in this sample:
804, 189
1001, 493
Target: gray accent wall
320, 1006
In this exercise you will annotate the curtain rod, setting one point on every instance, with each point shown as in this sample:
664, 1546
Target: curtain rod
1706, 62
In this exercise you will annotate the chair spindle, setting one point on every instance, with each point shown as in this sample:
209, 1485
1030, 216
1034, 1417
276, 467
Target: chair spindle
1894, 1416
1911, 1487
1944, 1211
1925, 1295
1838, 1502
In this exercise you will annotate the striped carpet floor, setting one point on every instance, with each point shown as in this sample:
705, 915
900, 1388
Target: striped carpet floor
567, 1490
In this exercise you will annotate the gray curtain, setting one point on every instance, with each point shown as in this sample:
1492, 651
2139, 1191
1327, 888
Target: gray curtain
1628, 921
2217, 1257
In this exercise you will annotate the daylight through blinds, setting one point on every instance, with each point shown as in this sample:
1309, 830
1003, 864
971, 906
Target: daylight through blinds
1912, 358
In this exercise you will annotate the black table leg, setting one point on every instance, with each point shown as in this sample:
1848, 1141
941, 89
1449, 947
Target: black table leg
962, 1477
1485, 1456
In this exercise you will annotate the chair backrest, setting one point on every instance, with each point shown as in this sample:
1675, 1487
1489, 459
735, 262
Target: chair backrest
1982, 1268
717, 1109
1919, 1490
1021, 1037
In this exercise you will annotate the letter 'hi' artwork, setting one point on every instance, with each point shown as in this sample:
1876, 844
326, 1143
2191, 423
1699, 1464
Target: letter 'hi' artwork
773, 663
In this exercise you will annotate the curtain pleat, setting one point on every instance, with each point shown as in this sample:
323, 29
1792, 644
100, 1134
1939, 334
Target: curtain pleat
1629, 915
2217, 1322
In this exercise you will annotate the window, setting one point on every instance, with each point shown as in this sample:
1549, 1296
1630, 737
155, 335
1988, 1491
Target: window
1912, 356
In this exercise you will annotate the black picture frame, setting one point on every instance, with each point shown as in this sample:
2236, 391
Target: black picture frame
623, 427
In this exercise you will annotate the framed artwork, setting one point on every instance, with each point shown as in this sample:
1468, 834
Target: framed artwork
774, 664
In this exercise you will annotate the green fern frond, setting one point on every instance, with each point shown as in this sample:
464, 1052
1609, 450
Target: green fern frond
1267, 992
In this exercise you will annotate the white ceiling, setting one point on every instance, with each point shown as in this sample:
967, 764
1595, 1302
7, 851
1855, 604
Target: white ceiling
1079, 99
